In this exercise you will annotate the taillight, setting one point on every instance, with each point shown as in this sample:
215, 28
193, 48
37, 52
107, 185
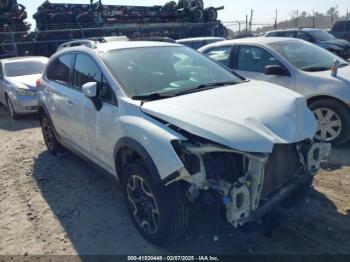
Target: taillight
37, 83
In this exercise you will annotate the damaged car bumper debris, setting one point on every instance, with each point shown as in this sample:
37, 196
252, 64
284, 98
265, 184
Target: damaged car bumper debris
249, 184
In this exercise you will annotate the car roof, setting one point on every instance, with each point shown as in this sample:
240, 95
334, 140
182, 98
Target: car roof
199, 39
23, 58
255, 40
307, 29
116, 45
262, 41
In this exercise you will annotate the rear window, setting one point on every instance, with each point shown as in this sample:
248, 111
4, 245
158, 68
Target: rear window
24, 68
59, 69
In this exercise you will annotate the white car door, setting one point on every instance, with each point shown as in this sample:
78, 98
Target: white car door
98, 126
250, 61
55, 89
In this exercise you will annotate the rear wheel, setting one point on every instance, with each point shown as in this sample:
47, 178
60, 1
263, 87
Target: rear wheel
159, 213
53, 146
333, 121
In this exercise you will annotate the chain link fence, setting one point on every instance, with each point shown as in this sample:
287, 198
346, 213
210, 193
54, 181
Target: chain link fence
46, 42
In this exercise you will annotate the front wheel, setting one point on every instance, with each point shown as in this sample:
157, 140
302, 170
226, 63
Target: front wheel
159, 212
12, 111
333, 121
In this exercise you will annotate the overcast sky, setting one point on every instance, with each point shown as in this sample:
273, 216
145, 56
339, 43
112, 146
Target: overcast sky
234, 9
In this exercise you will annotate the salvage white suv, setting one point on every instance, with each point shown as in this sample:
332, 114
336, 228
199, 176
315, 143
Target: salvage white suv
171, 125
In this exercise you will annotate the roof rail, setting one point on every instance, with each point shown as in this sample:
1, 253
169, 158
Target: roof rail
91, 43
82, 42
107, 39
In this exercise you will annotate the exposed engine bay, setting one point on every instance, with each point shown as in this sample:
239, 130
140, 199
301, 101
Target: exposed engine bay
249, 184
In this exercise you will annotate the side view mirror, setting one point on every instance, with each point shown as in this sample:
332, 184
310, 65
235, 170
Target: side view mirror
90, 90
275, 70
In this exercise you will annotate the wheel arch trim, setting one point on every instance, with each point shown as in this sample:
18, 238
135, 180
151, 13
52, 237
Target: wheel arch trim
140, 150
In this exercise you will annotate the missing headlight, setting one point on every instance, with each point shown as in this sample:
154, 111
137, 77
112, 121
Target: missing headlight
190, 161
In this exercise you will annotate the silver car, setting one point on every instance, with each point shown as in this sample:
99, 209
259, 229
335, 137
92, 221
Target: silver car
299, 66
18, 77
172, 125
198, 42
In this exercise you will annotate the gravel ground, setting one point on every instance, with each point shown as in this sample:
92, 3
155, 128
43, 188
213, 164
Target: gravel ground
60, 205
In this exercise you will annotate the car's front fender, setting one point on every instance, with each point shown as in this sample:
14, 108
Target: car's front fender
152, 140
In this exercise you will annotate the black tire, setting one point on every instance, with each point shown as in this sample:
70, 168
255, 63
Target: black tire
53, 146
170, 6
168, 202
85, 21
197, 15
185, 4
59, 21
342, 111
5, 6
211, 15
10, 108
198, 3
222, 31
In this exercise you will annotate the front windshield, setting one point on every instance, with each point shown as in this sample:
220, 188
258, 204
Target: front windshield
22, 68
307, 56
170, 70
321, 35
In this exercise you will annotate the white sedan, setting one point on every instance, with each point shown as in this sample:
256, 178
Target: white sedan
300, 66
18, 78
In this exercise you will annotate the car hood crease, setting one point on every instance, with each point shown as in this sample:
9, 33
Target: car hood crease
250, 117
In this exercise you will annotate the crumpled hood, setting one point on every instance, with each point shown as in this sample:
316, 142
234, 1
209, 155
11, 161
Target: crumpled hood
250, 117
338, 42
25, 82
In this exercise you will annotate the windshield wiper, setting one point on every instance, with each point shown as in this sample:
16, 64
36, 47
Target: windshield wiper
205, 87
153, 96
157, 96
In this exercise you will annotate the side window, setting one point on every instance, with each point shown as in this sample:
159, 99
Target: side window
338, 27
272, 34
86, 70
286, 34
220, 54
304, 36
254, 59
59, 69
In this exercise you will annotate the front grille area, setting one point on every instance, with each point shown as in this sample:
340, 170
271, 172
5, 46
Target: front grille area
283, 164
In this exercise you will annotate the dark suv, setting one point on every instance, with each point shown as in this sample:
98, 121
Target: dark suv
318, 37
341, 29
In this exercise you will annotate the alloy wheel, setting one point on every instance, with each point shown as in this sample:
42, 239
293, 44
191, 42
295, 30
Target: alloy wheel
143, 204
329, 124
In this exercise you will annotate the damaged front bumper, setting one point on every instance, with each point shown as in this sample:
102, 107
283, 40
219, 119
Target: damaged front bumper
265, 179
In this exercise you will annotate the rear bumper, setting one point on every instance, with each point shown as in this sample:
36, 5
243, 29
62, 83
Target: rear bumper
25, 104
